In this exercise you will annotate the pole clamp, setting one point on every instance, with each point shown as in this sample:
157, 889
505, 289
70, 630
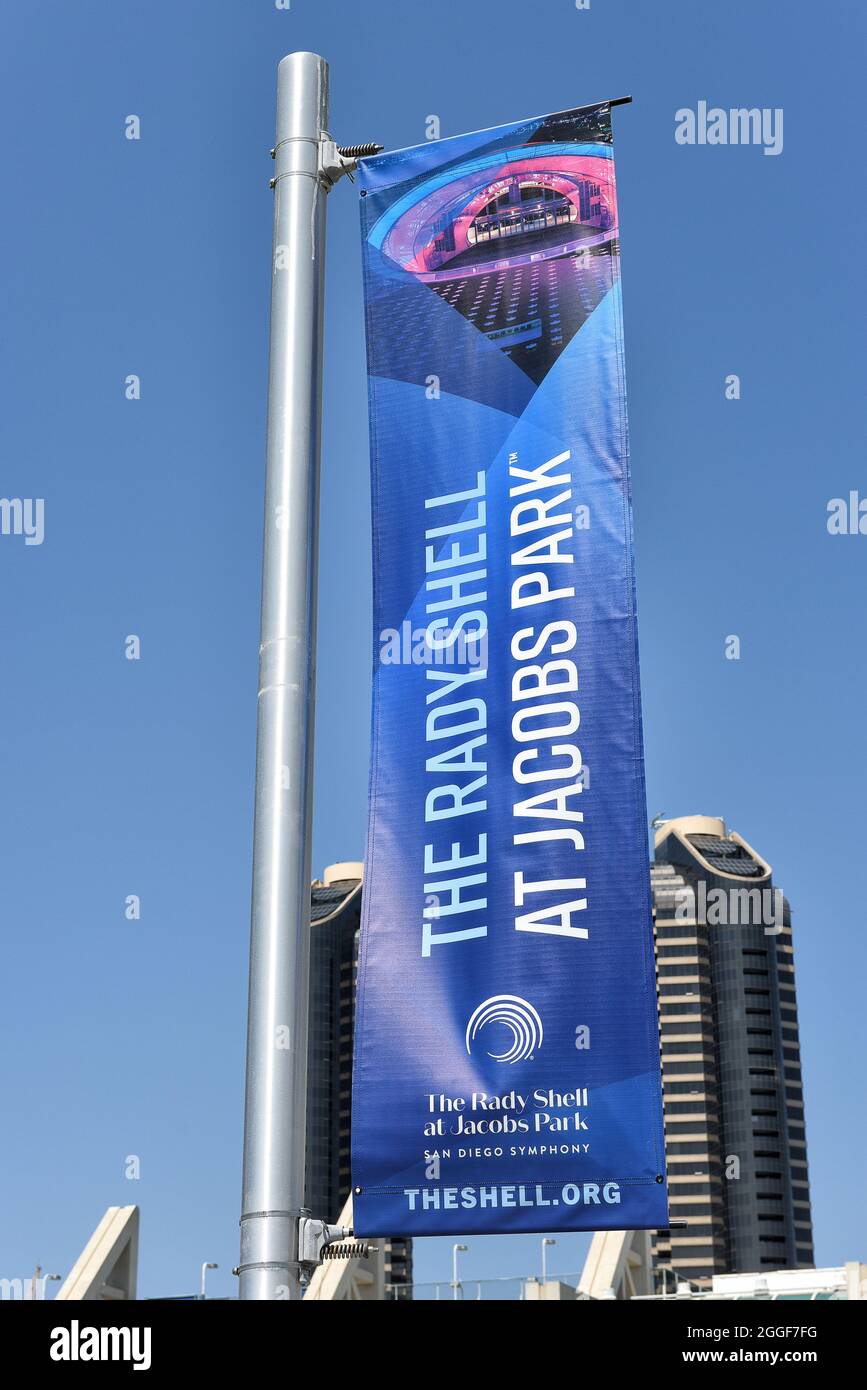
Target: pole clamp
337, 160
332, 164
332, 160
317, 1241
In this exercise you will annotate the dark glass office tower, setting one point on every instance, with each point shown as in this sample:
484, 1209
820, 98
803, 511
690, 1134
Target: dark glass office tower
734, 1109
335, 914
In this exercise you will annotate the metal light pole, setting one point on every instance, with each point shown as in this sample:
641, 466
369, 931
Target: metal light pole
274, 1119
36, 1292
546, 1241
208, 1264
307, 165
456, 1250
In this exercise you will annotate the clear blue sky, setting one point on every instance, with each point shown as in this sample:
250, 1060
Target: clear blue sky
117, 777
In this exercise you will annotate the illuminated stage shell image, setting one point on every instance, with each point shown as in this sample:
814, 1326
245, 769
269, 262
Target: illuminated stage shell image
523, 245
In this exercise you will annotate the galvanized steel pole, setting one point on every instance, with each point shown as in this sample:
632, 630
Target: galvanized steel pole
275, 1111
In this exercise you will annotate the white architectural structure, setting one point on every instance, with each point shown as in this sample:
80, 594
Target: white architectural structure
548, 1291
619, 1265
107, 1268
845, 1282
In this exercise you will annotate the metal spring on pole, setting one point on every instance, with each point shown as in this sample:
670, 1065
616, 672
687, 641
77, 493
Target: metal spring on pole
348, 1250
359, 151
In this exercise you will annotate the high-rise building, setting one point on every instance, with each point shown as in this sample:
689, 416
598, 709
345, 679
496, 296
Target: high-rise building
335, 916
735, 1141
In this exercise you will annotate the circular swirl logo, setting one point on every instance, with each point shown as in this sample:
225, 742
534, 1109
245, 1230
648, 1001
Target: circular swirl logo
518, 1017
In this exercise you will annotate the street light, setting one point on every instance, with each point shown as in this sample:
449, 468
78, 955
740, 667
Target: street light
456, 1249
208, 1264
546, 1241
38, 1282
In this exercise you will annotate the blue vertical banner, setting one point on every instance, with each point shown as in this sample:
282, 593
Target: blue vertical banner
506, 1072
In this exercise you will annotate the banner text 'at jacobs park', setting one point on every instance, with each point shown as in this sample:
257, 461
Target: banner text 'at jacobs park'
506, 1071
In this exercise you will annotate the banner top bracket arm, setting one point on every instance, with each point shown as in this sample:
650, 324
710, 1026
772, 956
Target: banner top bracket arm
349, 155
